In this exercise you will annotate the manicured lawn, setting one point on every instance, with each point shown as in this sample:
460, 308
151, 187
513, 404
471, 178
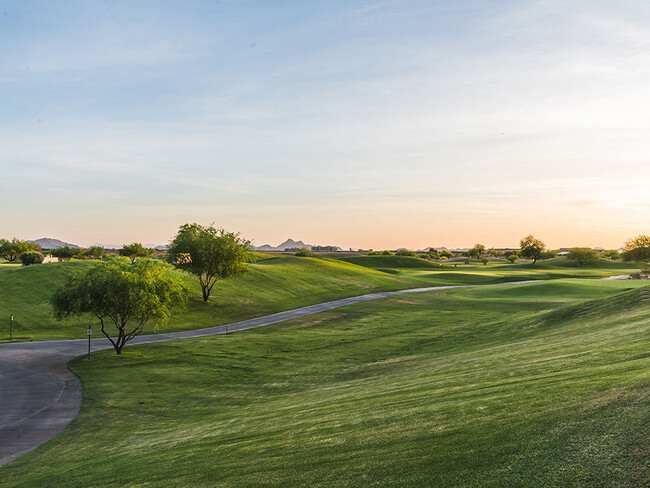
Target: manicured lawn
273, 284
544, 384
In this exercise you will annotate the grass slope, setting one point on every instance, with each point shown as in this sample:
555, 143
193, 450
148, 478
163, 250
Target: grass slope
272, 285
497, 271
545, 384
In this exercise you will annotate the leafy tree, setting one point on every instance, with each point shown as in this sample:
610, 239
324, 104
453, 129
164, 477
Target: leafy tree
305, 253
512, 258
123, 294
432, 253
65, 253
387, 253
531, 248
612, 254
136, 250
582, 255
446, 254
209, 254
32, 257
477, 251
637, 249
405, 252
495, 252
95, 252
485, 261
11, 250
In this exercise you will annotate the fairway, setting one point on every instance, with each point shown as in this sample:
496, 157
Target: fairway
543, 384
273, 284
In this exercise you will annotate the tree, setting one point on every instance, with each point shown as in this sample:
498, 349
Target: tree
612, 254
136, 250
209, 254
446, 254
305, 253
32, 257
126, 295
65, 253
531, 248
512, 258
582, 255
485, 261
95, 252
477, 251
11, 250
406, 252
637, 249
432, 253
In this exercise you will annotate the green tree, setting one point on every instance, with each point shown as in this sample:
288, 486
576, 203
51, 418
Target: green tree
122, 294
405, 252
637, 249
65, 253
446, 254
95, 252
208, 253
582, 255
11, 250
387, 253
531, 248
485, 261
477, 251
305, 253
32, 257
136, 250
512, 258
612, 254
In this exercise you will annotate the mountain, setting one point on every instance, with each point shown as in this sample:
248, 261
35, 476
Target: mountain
49, 243
288, 244
291, 244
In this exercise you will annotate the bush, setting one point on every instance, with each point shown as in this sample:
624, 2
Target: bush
34, 257
406, 252
582, 255
512, 258
387, 253
485, 261
305, 253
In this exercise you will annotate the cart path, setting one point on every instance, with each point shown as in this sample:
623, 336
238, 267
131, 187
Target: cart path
39, 395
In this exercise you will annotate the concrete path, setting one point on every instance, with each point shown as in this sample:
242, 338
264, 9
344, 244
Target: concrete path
39, 395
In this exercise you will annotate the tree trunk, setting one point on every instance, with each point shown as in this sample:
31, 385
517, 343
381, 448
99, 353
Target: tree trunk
206, 292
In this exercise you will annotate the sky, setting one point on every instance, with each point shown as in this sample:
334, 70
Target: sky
364, 124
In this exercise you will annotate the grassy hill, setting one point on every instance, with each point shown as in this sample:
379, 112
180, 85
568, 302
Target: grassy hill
497, 271
544, 384
272, 285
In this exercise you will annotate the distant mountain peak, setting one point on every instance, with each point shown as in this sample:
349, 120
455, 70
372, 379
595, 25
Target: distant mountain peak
51, 243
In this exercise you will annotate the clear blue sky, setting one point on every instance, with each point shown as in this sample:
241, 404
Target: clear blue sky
359, 123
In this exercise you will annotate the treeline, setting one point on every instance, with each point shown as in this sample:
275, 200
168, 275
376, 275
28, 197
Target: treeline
532, 248
29, 253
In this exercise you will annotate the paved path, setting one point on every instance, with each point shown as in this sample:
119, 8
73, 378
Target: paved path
39, 395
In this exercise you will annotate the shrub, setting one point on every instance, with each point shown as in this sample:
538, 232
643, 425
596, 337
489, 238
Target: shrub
512, 258
485, 261
305, 253
387, 253
33, 257
582, 255
405, 252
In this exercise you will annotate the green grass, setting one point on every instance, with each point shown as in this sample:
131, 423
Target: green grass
544, 384
273, 284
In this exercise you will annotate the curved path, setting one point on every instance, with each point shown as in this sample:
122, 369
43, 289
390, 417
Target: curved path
39, 395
